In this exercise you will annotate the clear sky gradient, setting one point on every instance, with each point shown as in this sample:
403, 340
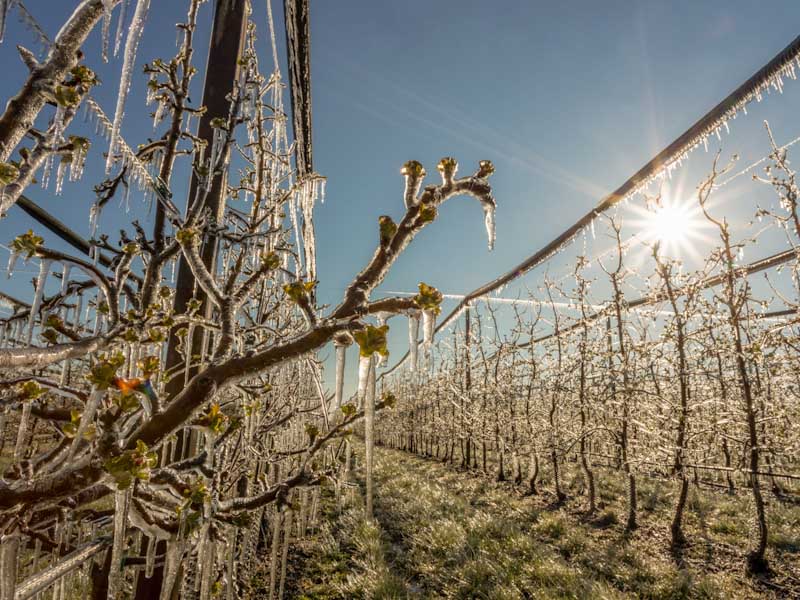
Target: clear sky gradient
567, 99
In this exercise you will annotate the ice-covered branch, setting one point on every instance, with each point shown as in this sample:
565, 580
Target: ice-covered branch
22, 109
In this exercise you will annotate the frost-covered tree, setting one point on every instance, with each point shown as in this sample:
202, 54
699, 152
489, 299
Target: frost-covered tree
149, 435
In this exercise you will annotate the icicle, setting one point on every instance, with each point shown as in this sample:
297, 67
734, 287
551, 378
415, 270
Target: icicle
369, 434
61, 171
22, 431
94, 217
44, 269
12, 261
4, 6
296, 228
86, 418
115, 575
150, 559
128, 64
120, 23
108, 6
172, 561
364, 364
341, 354
594, 236
78, 162
65, 278
159, 113
413, 339
207, 573
488, 211
9, 555
382, 358
428, 323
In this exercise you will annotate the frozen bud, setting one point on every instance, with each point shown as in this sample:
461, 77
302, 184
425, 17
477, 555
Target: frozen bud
414, 173
371, 340
83, 77
447, 167
187, 235
79, 143
413, 168
387, 228
427, 213
271, 261
67, 96
485, 169
131, 248
429, 298
27, 243
343, 339
9, 173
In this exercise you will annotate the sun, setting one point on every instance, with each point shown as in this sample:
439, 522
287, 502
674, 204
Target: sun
670, 224
675, 223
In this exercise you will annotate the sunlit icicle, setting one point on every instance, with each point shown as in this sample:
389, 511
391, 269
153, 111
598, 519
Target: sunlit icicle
115, 574
150, 558
341, 354
86, 419
172, 561
128, 63
108, 7
61, 171
207, 572
41, 280
4, 6
158, 113
428, 324
22, 430
364, 363
307, 198
12, 261
77, 163
9, 555
369, 434
120, 26
489, 221
413, 339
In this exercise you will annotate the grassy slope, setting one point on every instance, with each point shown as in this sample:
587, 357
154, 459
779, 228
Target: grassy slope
441, 533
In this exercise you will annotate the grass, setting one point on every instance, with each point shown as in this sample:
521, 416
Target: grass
442, 533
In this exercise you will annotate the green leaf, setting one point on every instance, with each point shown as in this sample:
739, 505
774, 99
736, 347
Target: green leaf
27, 243
429, 298
387, 228
9, 173
371, 340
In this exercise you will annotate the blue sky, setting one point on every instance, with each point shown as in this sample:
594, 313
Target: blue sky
567, 99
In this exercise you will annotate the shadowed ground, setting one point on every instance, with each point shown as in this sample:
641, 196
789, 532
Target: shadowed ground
442, 533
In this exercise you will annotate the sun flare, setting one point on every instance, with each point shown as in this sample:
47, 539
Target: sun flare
678, 226
670, 224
